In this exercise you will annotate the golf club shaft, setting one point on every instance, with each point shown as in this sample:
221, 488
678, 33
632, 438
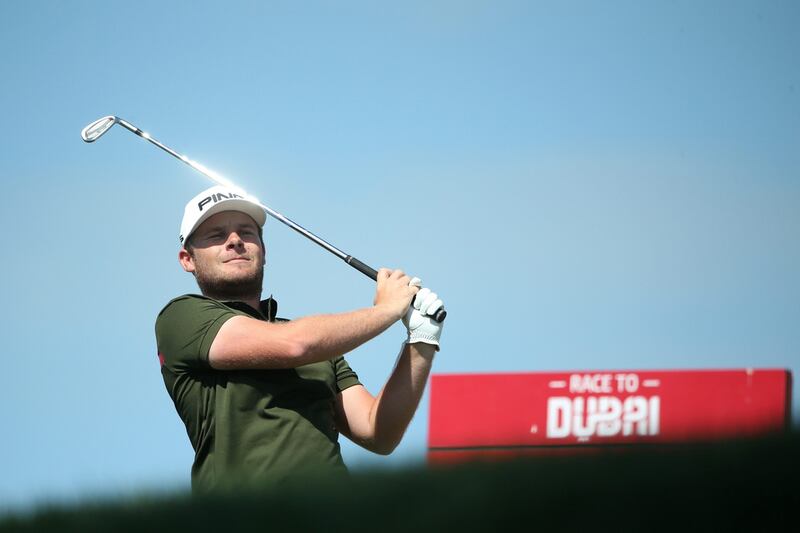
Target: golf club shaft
220, 180
216, 178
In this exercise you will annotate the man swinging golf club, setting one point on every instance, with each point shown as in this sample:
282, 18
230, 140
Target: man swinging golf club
265, 399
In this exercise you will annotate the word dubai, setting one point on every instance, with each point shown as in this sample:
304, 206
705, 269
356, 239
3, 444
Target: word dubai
607, 406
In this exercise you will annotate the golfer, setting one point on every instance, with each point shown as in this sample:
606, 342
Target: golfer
265, 399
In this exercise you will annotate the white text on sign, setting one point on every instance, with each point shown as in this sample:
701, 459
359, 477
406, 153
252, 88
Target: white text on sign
603, 383
602, 416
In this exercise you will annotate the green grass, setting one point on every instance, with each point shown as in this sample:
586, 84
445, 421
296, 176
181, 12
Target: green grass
726, 486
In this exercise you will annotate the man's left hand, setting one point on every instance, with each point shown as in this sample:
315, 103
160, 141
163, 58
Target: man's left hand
421, 327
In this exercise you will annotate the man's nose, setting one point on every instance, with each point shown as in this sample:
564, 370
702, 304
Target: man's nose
234, 241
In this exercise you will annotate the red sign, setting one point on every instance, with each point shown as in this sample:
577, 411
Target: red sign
510, 412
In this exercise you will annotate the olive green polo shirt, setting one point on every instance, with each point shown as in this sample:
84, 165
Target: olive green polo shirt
246, 426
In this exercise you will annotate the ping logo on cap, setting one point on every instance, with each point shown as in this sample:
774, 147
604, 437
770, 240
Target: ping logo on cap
216, 197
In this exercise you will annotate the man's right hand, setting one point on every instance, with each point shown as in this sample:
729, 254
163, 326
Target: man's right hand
395, 291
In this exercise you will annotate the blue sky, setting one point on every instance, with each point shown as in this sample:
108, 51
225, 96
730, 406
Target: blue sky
588, 185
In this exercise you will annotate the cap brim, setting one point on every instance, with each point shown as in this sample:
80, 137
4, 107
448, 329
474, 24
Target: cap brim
234, 204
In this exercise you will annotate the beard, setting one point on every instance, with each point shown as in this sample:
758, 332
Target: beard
242, 287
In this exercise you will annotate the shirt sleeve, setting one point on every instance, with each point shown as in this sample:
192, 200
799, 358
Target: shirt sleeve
345, 376
185, 330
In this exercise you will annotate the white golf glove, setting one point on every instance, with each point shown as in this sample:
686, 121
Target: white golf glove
421, 327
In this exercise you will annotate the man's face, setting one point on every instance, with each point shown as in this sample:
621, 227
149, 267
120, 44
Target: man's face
227, 256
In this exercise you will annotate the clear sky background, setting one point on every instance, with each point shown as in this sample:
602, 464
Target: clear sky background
588, 185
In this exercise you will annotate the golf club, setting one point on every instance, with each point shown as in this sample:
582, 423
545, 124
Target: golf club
96, 129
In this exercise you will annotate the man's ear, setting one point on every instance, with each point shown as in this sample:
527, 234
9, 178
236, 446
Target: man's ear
186, 260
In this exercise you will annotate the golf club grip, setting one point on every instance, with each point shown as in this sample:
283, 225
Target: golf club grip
361, 267
367, 270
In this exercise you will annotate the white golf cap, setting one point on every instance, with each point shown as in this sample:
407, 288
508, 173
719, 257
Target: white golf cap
216, 200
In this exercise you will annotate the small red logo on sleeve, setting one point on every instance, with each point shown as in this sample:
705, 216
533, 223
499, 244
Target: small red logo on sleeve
160, 358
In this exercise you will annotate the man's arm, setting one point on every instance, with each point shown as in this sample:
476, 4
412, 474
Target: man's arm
378, 423
247, 343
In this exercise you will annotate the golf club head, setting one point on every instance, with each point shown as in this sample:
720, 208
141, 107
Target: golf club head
93, 131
